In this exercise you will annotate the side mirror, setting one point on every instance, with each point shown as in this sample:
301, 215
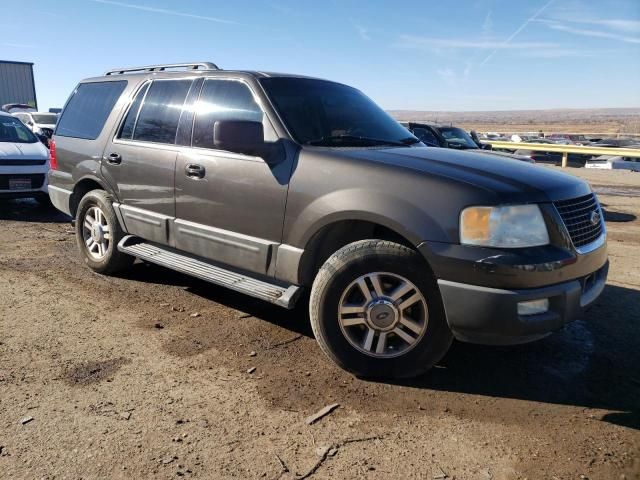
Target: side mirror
239, 136
486, 146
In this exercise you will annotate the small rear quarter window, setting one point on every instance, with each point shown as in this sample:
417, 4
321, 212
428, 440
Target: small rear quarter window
88, 108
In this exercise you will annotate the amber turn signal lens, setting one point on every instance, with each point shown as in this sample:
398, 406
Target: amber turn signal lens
474, 224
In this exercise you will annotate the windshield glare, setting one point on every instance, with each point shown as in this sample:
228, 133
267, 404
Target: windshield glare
327, 113
45, 118
13, 130
458, 137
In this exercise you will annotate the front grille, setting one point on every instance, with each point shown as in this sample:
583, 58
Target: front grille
37, 179
20, 163
48, 132
582, 217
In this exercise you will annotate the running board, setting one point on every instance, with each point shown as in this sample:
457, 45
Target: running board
283, 296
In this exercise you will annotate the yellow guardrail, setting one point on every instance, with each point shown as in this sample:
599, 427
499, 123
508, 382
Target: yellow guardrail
565, 149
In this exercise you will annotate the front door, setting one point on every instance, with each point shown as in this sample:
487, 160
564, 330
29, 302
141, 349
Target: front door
229, 206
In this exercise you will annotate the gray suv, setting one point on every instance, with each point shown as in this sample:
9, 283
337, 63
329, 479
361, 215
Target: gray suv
270, 184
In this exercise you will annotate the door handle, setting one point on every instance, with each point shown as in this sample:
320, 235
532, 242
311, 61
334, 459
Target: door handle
114, 159
193, 170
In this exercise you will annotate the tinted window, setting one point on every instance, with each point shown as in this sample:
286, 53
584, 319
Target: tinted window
160, 112
46, 118
426, 136
126, 131
13, 130
222, 100
88, 109
321, 112
458, 137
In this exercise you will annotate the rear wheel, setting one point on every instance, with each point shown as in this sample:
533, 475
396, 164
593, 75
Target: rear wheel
98, 233
376, 311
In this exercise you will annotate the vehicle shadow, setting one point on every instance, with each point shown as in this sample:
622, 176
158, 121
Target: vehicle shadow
28, 210
594, 362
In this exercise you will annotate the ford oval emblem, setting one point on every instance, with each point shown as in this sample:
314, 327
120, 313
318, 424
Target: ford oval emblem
595, 218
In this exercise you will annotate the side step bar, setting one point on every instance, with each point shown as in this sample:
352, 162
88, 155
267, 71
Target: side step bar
284, 296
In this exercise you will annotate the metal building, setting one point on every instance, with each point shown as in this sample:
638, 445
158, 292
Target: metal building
17, 84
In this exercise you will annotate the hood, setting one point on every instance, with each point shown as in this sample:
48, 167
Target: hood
507, 181
52, 126
23, 151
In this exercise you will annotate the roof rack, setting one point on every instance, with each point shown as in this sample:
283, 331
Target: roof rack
163, 67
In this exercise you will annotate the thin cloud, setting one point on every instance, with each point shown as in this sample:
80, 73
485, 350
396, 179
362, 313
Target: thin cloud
363, 32
417, 42
17, 45
487, 25
520, 28
165, 11
563, 53
564, 27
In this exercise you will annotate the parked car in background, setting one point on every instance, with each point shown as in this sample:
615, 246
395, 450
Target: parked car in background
568, 138
613, 162
17, 107
456, 138
42, 123
555, 158
55, 110
24, 161
618, 142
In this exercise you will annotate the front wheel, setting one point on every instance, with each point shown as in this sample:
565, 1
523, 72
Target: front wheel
376, 311
98, 233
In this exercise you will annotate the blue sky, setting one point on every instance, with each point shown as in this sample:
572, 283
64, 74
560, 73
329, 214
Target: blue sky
418, 55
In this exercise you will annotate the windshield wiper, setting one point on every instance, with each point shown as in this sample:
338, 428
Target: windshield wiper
339, 138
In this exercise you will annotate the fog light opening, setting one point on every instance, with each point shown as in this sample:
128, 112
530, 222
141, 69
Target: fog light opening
533, 307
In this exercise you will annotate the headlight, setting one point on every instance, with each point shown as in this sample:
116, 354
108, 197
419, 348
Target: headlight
512, 226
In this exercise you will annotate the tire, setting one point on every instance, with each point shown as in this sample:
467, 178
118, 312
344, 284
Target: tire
105, 258
343, 337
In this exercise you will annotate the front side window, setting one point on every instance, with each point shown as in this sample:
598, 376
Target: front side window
13, 130
88, 108
160, 113
322, 113
222, 100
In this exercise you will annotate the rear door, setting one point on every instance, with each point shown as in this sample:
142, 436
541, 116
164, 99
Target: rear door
139, 161
229, 206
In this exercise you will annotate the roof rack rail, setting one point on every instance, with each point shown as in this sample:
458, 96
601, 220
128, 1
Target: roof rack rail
163, 67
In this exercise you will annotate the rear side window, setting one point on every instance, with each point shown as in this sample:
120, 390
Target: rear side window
222, 100
126, 131
88, 109
160, 113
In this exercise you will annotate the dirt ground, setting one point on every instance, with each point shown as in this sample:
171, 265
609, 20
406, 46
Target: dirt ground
146, 375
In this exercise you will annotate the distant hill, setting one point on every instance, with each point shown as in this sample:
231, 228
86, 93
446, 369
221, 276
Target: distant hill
588, 120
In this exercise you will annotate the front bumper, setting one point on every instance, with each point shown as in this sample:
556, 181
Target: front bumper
481, 288
490, 315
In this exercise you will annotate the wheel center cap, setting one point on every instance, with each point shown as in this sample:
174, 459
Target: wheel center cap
96, 233
382, 315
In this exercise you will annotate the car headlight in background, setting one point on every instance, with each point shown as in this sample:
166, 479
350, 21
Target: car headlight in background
513, 226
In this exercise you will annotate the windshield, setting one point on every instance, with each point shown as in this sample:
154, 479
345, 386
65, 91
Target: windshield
13, 130
458, 138
45, 118
319, 112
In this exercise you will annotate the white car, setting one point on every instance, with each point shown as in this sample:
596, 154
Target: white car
24, 161
613, 162
40, 123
